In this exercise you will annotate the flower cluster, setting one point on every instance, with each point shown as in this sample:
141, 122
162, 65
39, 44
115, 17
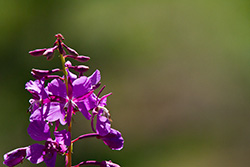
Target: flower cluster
55, 100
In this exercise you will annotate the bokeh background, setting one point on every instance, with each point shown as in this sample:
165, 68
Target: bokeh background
179, 72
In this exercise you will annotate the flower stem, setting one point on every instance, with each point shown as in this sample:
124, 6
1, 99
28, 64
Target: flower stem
90, 163
85, 136
70, 124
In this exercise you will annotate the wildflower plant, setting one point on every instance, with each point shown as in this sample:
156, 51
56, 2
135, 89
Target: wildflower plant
55, 100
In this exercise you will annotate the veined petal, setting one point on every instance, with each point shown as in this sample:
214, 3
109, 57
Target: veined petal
39, 130
15, 157
103, 126
35, 153
95, 77
63, 137
50, 159
113, 140
81, 86
54, 111
57, 87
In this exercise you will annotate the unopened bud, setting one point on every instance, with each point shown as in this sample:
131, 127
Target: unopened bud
70, 50
37, 52
49, 53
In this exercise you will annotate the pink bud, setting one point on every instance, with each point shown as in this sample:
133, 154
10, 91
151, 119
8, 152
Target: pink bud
70, 50
49, 53
37, 52
79, 58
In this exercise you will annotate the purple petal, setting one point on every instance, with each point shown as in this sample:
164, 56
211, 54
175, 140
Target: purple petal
54, 111
63, 137
81, 86
57, 87
103, 126
36, 88
15, 157
35, 153
71, 75
86, 104
37, 52
84, 110
95, 77
113, 140
39, 130
50, 112
50, 159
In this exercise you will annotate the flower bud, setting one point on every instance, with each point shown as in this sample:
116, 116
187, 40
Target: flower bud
70, 50
49, 53
79, 58
37, 52
39, 74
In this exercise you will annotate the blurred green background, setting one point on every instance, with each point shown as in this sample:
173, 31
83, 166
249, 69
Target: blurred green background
179, 72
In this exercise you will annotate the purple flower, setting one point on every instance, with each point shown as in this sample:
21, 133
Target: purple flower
37, 153
78, 98
15, 157
40, 96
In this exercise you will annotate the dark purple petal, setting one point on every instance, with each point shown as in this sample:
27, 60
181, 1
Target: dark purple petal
70, 50
57, 87
39, 130
50, 159
15, 157
63, 137
37, 52
35, 153
103, 126
81, 86
95, 77
113, 140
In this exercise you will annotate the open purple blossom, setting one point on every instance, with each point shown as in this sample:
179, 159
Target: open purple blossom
37, 153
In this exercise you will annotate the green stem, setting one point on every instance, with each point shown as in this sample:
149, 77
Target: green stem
70, 125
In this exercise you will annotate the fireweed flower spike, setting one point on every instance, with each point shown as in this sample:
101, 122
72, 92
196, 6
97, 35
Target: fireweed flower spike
55, 99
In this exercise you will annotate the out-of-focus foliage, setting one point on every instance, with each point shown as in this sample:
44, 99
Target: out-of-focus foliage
179, 72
